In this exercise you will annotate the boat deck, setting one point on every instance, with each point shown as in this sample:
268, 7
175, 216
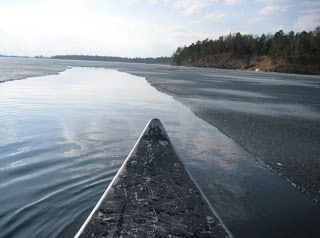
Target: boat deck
153, 195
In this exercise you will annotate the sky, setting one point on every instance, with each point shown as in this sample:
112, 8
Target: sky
140, 28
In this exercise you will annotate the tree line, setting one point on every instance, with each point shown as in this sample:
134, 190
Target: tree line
291, 46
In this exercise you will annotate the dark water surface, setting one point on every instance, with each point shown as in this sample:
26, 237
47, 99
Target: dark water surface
63, 138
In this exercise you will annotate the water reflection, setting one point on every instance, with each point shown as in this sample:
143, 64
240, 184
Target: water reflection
63, 138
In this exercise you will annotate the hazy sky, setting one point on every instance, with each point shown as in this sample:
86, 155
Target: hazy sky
140, 27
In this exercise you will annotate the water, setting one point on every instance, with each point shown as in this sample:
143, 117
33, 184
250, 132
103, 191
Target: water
63, 138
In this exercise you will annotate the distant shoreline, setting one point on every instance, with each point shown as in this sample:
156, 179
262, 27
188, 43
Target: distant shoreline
221, 61
149, 60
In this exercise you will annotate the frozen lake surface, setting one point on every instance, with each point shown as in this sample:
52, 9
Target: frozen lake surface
63, 138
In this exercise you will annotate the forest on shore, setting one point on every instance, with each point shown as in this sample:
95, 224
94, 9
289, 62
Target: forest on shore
282, 52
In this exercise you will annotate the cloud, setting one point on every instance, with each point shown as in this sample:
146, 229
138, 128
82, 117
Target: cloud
31, 27
195, 22
308, 21
269, 2
265, 1
188, 7
271, 9
255, 19
154, 2
74, 27
311, 3
215, 16
232, 2
309, 17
